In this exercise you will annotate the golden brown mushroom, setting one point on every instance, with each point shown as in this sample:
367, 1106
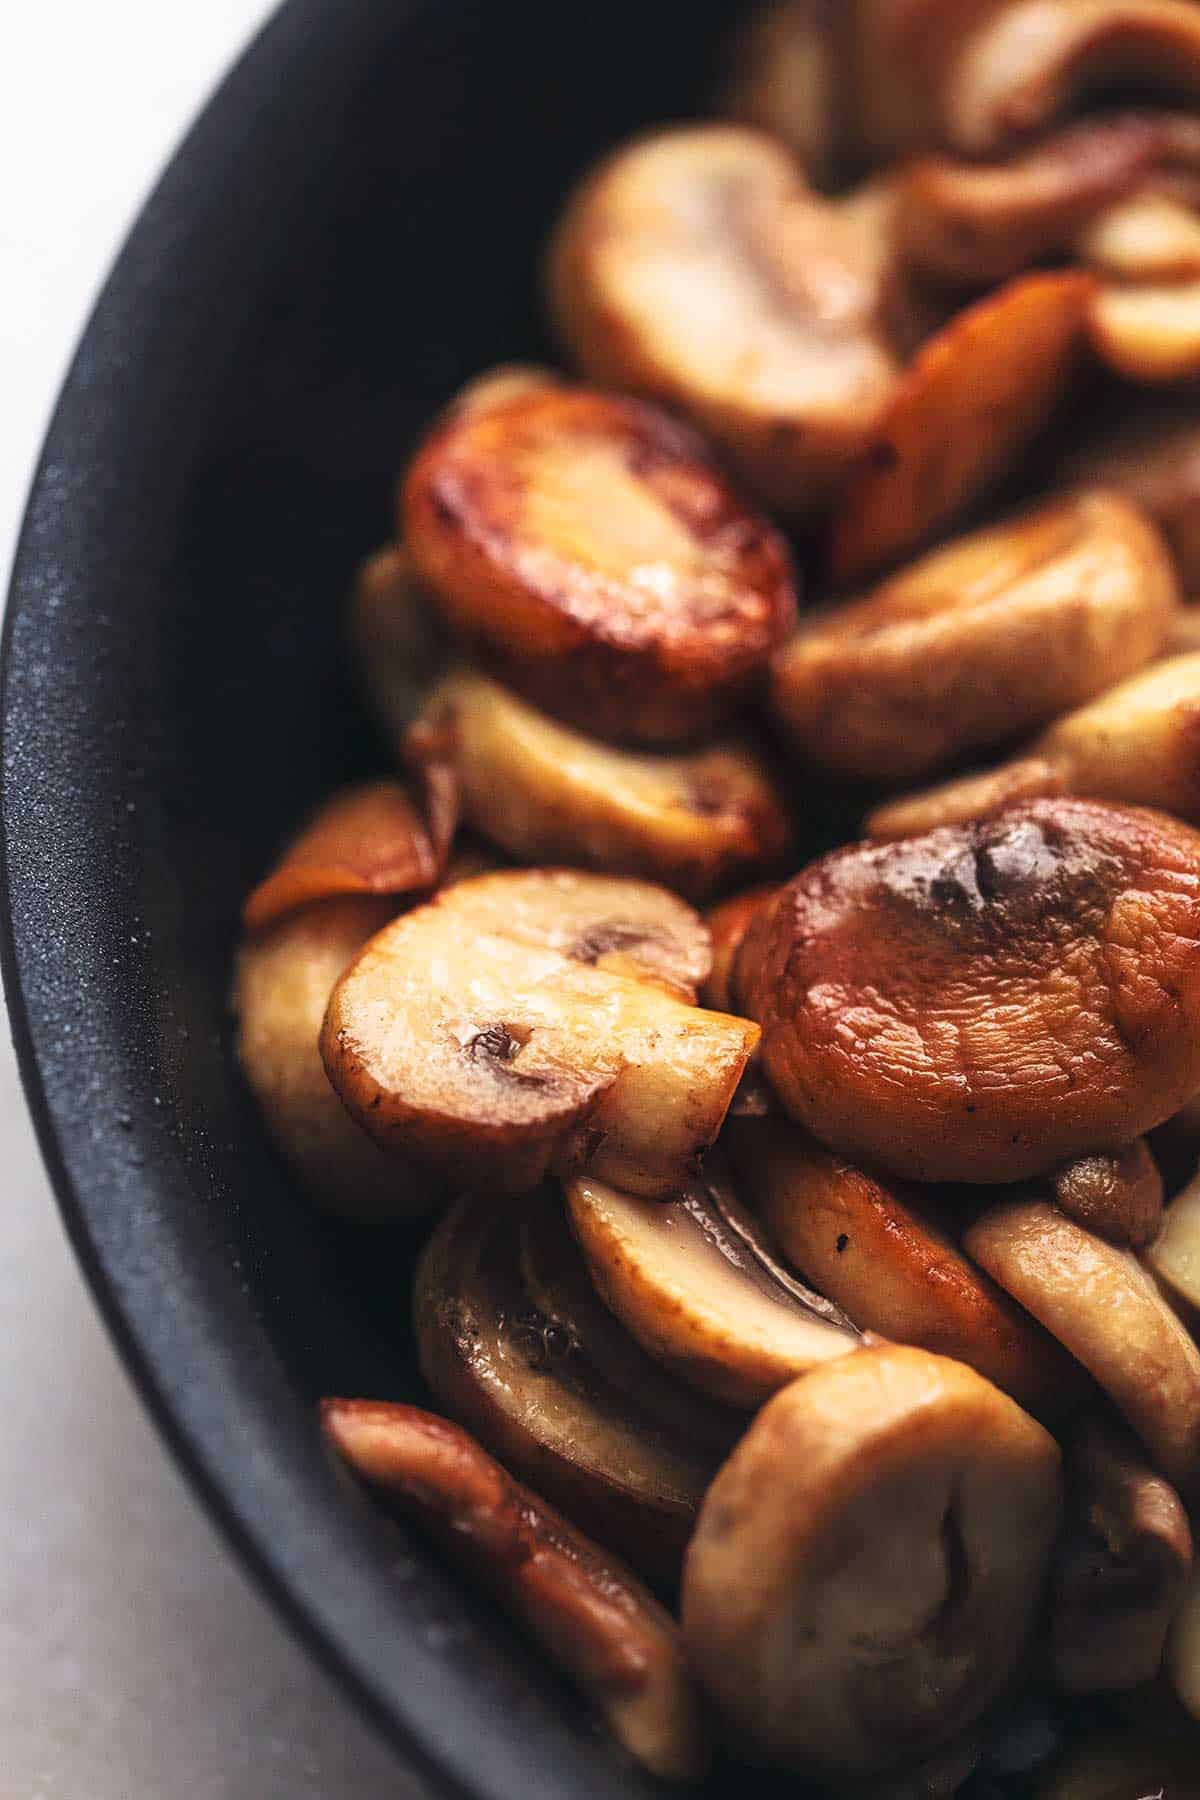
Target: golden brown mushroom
868, 1564
980, 640
1148, 332
788, 77
587, 547
987, 1001
1151, 236
1117, 1193
592, 1616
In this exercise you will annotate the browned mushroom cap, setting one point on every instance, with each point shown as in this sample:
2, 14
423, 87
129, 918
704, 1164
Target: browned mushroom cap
1118, 1765
977, 223
514, 1342
1138, 743
1120, 1572
593, 1617
1148, 332
989, 1000
588, 547
1100, 1302
697, 820
975, 397
868, 1563
1117, 1193
1147, 447
697, 266
1029, 62
532, 1020
978, 641
875, 1247
727, 926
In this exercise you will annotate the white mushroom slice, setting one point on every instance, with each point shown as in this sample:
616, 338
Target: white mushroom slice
1139, 744
1174, 1256
1147, 332
1147, 447
1100, 1302
697, 821
697, 266
869, 1562
988, 636
1147, 237
590, 1614
525, 1022
683, 1277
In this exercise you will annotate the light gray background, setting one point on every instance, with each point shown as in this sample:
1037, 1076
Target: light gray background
135, 1662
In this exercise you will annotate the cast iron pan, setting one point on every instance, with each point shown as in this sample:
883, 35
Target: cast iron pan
349, 231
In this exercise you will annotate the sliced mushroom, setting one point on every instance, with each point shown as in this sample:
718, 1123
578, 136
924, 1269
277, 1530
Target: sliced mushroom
593, 1617
370, 839
1030, 62
977, 223
526, 1021
788, 77
1125, 1766
1117, 1193
697, 821
877, 1248
555, 1388
588, 547
869, 1562
1148, 332
1099, 1301
685, 1279
975, 397
1139, 743
282, 983
1148, 448
1174, 1255
1120, 1572
727, 926
1150, 236
980, 640
987, 1001
397, 643
697, 266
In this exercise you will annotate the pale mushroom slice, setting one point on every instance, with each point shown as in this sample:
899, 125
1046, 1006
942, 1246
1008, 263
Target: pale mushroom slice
987, 1001
1117, 1193
1147, 447
876, 1247
531, 1021
588, 548
698, 821
1149, 331
1100, 1302
697, 266
728, 924
1030, 62
1138, 744
284, 975
695, 1283
1125, 1766
1174, 1255
556, 1389
975, 397
869, 1563
590, 1614
396, 641
1120, 1571
979, 641
1150, 236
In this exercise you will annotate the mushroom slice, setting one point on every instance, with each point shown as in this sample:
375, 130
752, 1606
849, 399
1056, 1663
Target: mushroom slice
284, 976
587, 546
788, 78
979, 640
1149, 236
1125, 1766
698, 267
1120, 1573
978, 223
727, 926
987, 1001
687, 1280
869, 1562
559, 1392
1098, 1300
1148, 332
1028, 63
370, 839
1139, 743
696, 821
397, 644
878, 1250
592, 1617
530, 1021
1147, 447
1174, 1256
1117, 1193
974, 398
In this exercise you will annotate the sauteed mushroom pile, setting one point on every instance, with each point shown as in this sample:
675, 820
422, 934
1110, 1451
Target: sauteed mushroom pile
810, 1284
